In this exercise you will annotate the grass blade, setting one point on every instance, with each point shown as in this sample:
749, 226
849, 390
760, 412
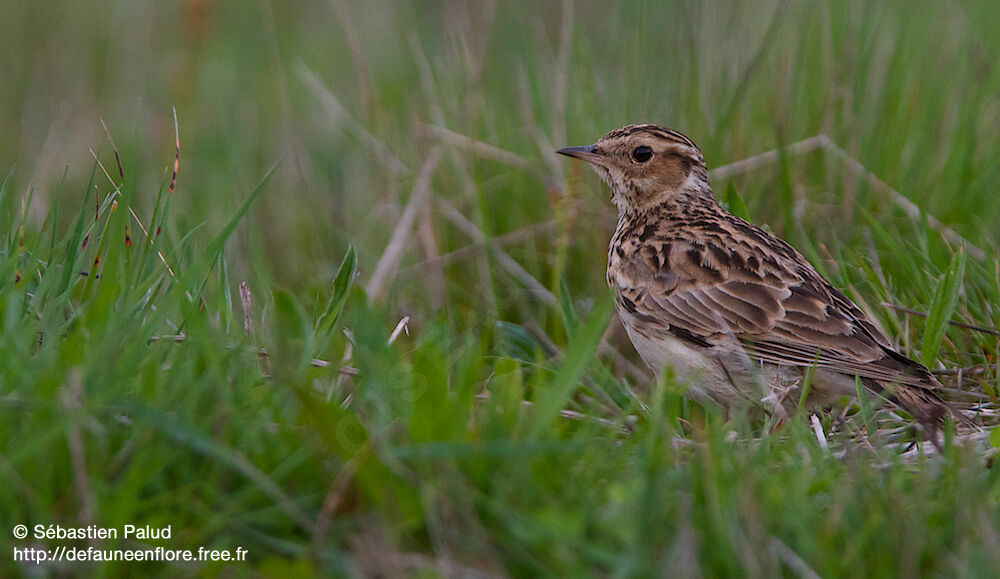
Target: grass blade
732, 200
570, 320
341, 284
942, 306
581, 351
189, 437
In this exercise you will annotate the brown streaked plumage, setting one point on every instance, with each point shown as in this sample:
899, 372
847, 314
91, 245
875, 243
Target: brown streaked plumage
732, 308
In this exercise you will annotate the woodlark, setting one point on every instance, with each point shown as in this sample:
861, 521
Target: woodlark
737, 312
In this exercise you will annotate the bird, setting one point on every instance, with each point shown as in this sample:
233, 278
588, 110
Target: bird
740, 316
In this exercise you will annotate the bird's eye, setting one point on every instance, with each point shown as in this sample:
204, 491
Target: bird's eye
642, 154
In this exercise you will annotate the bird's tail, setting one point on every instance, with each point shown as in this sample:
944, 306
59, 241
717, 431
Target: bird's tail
927, 407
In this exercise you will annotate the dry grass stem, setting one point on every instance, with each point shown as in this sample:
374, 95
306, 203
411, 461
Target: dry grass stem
818, 430
334, 496
479, 148
919, 314
246, 302
118, 160
340, 117
72, 401
503, 259
401, 327
393, 254
117, 191
262, 353
177, 154
792, 560
825, 143
767, 158
357, 54
436, 287
475, 249
909, 207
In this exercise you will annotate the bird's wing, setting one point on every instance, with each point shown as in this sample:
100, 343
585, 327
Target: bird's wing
786, 314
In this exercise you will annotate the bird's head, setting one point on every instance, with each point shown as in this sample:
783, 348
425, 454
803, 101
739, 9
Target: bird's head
645, 166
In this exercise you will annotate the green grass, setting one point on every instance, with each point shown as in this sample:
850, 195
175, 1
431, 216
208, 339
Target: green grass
494, 436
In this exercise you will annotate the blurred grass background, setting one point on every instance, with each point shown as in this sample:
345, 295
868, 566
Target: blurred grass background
420, 456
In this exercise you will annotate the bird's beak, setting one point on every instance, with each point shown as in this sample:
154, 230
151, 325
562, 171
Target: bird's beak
586, 153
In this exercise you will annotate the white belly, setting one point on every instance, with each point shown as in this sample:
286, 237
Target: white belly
726, 374
693, 367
